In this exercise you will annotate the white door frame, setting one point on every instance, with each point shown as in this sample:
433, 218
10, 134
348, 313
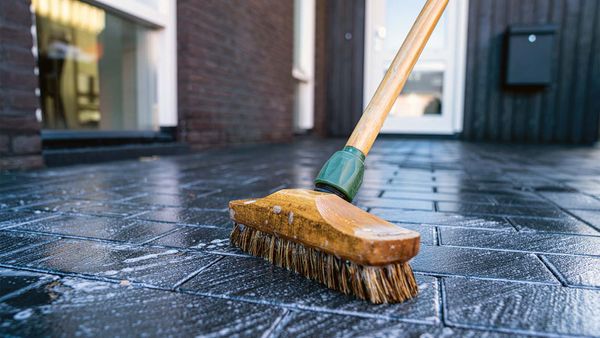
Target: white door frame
303, 70
451, 120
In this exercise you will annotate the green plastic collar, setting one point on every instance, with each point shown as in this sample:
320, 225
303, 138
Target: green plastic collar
343, 172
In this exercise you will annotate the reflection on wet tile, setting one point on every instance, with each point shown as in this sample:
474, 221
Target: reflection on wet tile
566, 225
443, 219
522, 241
441, 260
396, 204
144, 265
500, 210
573, 200
468, 198
100, 227
577, 271
77, 307
524, 308
90, 208
188, 216
590, 217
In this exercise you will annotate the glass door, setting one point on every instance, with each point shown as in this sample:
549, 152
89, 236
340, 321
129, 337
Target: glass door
103, 65
431, 102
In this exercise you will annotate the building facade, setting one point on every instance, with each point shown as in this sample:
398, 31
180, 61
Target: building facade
132, 78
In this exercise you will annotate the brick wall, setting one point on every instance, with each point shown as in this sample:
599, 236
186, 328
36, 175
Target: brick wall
20, 145
234, 71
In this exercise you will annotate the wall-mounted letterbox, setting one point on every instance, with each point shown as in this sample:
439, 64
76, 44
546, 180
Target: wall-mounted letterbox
529, 55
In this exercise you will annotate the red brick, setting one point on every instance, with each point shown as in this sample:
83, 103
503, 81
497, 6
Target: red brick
23, 101
21, 162
4, 144
18, 56
26, 144
235, 83
16, 12
20, 143
26, 123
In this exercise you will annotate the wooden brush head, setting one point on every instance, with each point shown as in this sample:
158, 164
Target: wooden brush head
328, 223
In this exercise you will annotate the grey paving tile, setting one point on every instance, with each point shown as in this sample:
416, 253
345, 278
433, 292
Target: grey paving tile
188, 216
521, 308
428, 232
500, 210
490, 192
522, 241
406, 188
24, 201
111, 195
569, 200
202, 238
577, 271
13, 241
12, 218
589, 216
119, 262
395, 204
565, 225
443, 219
73, 307
255, 279
368, 193
521, 201
441, 260
310, 324
134, 231
430, 196
90, 208
12, 282
184, 200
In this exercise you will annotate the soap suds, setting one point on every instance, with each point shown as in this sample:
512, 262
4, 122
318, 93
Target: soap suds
149, 256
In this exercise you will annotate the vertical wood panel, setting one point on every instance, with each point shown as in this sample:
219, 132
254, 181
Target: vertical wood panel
566, 111
541, 16
592, 118
470, 86
582, 59
569, 42
483, 48
549, 119
345, 30
493, 97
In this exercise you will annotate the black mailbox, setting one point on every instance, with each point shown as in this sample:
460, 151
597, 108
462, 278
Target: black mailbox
529, 55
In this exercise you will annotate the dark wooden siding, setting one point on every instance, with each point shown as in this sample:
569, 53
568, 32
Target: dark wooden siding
565, 112
344, 32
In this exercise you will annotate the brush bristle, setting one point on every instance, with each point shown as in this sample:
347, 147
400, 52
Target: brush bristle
392, 283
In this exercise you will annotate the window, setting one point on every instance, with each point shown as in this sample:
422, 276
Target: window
98, 65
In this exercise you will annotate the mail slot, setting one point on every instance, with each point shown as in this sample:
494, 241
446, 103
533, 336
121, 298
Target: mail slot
529, 55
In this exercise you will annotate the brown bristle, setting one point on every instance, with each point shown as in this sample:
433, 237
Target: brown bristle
392, 283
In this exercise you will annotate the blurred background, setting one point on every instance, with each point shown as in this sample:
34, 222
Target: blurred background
97, 80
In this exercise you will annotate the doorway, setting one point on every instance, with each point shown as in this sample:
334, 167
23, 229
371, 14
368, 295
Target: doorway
433, 97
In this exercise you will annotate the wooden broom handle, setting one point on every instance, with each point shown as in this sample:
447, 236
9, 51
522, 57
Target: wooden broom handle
372, 119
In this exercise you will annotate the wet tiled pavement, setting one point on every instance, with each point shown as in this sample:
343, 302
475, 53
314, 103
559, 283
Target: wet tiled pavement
510, 245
